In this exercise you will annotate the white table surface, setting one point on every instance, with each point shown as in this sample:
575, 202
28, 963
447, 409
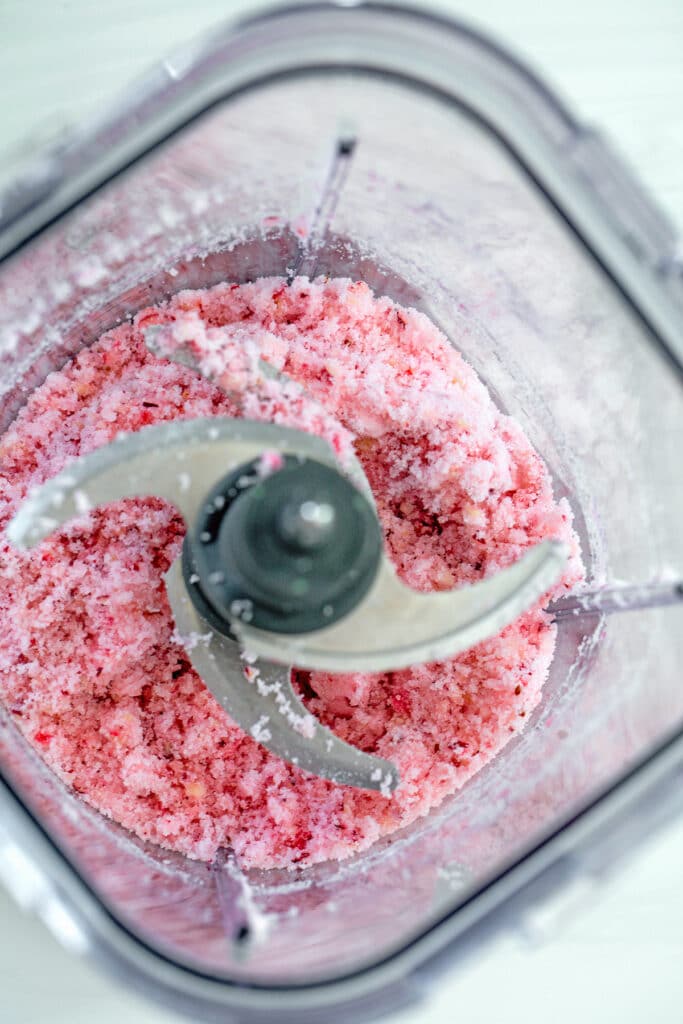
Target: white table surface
620, 64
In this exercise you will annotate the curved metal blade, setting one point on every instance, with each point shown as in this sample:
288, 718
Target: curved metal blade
394, 626
391, 628
265, 704
179, 462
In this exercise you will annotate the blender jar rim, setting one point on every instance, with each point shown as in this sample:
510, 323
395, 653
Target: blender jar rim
574, 168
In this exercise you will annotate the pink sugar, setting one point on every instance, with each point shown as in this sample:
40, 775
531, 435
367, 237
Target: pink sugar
89, 667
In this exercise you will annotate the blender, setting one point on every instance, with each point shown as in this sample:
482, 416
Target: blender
430, 165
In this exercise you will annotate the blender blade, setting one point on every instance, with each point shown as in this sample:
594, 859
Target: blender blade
392, 626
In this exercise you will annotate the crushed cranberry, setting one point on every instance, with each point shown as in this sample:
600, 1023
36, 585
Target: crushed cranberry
301, 678
400, 702
114, 642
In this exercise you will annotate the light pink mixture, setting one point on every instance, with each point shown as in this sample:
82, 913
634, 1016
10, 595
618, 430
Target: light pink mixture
89, 667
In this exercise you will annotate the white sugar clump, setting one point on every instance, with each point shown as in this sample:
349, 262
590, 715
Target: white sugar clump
259, 731
385, 787
242, 608
304, 724
191, 640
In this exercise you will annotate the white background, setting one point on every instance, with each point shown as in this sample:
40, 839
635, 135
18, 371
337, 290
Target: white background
620, 64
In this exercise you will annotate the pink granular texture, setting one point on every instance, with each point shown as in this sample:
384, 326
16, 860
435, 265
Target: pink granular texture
89, 666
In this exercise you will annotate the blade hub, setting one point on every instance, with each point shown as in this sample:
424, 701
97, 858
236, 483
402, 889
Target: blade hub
291, 552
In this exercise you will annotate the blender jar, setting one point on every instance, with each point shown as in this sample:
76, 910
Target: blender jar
392, 146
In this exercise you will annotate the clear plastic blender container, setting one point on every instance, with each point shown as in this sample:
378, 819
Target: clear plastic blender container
415, 155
